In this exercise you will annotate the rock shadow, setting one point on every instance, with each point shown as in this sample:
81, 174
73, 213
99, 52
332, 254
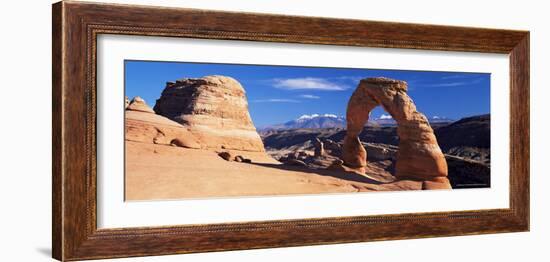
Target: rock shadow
348, 176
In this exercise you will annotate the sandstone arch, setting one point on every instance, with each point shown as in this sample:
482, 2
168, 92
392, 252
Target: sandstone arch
419, 156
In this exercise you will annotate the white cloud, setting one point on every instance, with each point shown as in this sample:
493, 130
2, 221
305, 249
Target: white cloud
275, 100
450, 84
457, 83
384, 116
456, 76
352, 78
310, 96
308, 83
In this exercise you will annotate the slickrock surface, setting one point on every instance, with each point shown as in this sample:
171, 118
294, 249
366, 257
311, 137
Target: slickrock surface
419, 156
165, 172
215, 110
143, 125
164, 160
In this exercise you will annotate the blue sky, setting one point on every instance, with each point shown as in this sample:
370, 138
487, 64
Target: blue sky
277, 94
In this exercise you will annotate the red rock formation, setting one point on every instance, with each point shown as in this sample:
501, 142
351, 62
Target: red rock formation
138, 104
419, 156
143, 125
215, 110
319, 147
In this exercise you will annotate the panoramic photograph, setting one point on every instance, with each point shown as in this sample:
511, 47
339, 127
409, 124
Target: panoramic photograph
202, 130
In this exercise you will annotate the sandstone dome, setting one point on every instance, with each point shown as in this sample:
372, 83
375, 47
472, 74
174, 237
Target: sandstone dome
214, 108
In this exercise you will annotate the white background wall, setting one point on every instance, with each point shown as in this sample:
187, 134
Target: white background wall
25, 132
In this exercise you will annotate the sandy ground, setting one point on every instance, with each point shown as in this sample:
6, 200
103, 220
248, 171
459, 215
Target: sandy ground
166, 172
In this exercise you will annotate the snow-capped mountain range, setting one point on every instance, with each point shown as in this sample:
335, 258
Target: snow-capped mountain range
335, 121
312, 121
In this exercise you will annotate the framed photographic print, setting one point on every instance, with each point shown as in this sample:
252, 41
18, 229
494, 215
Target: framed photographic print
181, 130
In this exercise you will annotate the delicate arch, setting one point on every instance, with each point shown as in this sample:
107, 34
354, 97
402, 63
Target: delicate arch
419, 156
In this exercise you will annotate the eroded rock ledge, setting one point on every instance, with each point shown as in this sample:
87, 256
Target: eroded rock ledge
144, 126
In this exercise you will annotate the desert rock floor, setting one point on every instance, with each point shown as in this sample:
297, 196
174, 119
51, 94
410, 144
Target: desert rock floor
166, 172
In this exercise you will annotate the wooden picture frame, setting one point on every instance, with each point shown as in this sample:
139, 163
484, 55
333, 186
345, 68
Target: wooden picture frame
76, 26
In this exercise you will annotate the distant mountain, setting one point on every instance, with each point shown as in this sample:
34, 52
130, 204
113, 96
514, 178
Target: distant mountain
457, 138
439, 119
383, 120
472, 131
386, 120
312, 121
333, 121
